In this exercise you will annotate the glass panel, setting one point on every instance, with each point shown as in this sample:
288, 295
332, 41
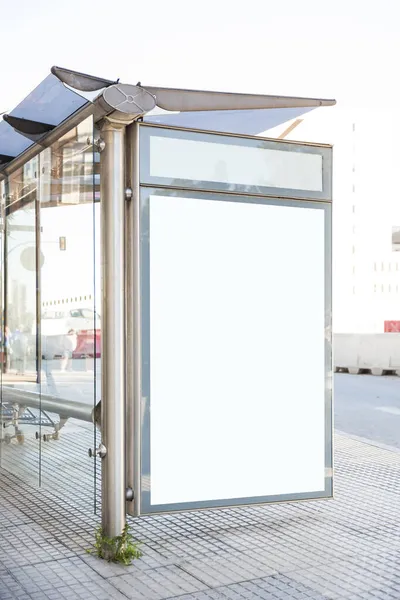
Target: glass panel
183, 158
223, 423
4, 352
20, 450
50, 330
70, 322
50, 102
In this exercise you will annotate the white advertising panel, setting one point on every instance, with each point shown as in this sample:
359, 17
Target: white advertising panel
236, 365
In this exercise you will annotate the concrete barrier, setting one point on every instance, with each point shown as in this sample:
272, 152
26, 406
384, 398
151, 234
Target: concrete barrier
374, 352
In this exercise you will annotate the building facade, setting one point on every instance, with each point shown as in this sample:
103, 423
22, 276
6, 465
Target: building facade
366, 267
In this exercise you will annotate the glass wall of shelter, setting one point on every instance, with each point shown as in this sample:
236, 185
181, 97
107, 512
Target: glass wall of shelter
51, 323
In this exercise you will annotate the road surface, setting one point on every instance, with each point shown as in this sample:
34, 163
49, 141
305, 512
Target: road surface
368, 407
364, 405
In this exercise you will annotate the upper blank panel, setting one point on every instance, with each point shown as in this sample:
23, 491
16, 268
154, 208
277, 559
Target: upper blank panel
187, 159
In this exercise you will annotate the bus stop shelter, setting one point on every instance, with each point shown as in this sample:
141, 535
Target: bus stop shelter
211, 286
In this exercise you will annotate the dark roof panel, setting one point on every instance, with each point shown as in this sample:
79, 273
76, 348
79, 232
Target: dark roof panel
48, 105
11, 142
50, 102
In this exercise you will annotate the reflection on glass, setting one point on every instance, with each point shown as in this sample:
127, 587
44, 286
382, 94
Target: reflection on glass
238, 164
50, 334
207, 161
69, 320
4, 353
19, 331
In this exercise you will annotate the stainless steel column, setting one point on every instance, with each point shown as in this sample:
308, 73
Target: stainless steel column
133, 348
112, 207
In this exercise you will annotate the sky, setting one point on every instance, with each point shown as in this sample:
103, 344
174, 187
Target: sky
343, 49
347, 50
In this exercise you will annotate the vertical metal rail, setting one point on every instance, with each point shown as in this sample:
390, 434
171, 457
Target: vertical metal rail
133, 349
38, 272
112, 209
2, 322
95, 348
38, 278
5, 259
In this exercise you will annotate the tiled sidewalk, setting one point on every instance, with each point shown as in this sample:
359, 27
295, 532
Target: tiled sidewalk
347, 548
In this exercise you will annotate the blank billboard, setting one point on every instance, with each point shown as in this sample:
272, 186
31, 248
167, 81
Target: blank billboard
236, 363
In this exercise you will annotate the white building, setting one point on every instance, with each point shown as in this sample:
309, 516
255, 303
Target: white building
366, 212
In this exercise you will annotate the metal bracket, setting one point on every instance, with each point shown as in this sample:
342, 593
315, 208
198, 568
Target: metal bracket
100, 144
100, 452
130, 495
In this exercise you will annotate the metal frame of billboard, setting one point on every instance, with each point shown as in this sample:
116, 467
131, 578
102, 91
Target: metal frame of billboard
138, 360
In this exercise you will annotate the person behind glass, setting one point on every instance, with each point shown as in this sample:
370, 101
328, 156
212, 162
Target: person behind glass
20, 349
69, 345
7, 348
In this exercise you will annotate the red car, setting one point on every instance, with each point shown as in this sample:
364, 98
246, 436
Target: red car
88, 343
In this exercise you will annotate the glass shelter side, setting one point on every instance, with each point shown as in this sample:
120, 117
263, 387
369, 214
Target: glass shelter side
229, 240
206, 242
51, 326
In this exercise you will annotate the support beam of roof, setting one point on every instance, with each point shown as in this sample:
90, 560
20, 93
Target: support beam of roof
81, 81
289, 129
199, 100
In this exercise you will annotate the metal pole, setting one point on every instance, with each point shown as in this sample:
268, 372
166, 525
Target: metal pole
5, 259
2, 277
38, 247
112, 206
133, 349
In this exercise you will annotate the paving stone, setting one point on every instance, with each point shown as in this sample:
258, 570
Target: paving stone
224, 570
9, 587
157, 584
66, 578
346, 548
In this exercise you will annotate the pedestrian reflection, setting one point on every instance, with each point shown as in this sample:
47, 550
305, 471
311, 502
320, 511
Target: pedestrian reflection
19, 349
69, 342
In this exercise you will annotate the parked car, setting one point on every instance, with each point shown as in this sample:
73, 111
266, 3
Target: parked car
55, 325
